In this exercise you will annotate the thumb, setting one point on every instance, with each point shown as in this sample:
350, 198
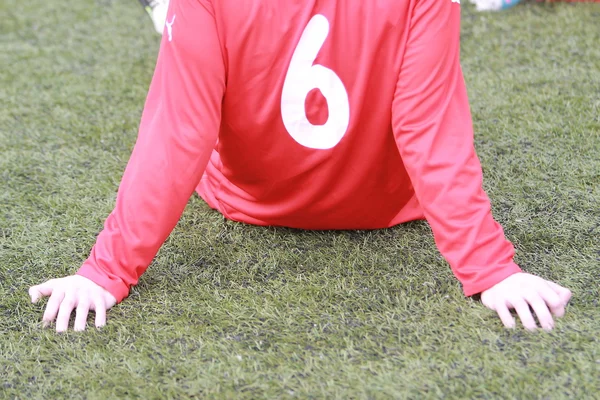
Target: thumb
38, 291
563, 293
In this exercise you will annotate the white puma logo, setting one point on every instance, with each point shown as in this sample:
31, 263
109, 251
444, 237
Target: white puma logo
170, 27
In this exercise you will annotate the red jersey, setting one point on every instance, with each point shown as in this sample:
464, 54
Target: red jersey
313, 114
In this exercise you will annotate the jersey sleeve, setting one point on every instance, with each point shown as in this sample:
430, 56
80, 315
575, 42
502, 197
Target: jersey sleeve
178, 131
433, 130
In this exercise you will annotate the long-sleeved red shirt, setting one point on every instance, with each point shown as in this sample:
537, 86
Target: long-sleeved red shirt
313, 114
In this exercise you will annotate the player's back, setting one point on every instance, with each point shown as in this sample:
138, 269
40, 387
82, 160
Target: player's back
306, 135
320, 111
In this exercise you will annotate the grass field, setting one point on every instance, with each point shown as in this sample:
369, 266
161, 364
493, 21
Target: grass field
234, 311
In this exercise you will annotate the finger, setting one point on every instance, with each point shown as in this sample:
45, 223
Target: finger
553, 300
100, 309
564, 293
38, 291
81, 314
505, 316
52, 307
541, 311
64, 313
522, 309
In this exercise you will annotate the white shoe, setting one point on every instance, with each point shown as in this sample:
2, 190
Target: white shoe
494, 5
157, 9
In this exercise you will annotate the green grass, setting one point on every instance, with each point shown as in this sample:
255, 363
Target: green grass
234, 311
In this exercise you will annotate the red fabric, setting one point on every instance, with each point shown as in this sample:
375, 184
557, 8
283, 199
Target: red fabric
235, 71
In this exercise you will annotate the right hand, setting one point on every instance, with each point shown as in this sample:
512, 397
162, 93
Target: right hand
69, 293
522, 291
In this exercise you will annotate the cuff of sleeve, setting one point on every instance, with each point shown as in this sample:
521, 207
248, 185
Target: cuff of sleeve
486, 282
113, 284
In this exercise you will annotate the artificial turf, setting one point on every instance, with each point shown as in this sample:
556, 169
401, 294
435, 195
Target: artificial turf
234, 311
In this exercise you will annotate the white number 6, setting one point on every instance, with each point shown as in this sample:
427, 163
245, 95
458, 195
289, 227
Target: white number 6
301, 78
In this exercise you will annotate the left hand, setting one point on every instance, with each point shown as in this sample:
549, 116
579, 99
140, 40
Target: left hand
73, 293
520, 291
